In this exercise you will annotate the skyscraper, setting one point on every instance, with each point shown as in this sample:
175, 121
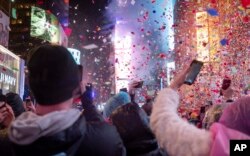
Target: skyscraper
34, 23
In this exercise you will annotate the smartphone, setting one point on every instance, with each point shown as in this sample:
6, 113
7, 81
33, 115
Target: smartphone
195, 68
226, 84
139, 85
28, 102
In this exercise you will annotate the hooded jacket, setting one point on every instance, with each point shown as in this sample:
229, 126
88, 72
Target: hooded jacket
183, 139
133, 125
63, 133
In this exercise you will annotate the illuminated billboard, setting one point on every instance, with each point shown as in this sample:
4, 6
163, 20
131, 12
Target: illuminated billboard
4, 32
44, 25
76, 54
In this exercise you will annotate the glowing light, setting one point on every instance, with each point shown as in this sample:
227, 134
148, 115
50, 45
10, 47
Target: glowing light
207, 37
202, 36
123, 44
76, 54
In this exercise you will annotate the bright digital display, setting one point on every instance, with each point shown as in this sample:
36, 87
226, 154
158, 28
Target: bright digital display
44, 25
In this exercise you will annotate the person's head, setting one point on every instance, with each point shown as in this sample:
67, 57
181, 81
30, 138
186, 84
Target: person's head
131, 122
236, 115
53, 75
16, 103
228, 93
114, 102
214, 114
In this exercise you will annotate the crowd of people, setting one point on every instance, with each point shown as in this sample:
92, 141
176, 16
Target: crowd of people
55, 127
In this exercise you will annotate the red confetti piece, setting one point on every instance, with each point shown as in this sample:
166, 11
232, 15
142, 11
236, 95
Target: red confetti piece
204, 44
246, 19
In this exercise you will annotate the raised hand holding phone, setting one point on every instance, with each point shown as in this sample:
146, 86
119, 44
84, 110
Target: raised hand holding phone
6, 115
29, 106
179, 78
187, 75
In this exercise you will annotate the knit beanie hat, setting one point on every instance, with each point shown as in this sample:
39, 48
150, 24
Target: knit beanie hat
53, 74
114, 102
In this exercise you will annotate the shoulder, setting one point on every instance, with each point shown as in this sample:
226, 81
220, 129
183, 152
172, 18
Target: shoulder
100, 138
97, 129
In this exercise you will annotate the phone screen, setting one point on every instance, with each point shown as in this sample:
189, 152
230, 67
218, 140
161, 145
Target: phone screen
195, 68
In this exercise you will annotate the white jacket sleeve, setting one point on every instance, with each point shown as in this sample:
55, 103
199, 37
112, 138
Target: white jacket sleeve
175, 135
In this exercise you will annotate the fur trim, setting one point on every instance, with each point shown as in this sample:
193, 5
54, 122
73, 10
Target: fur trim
176, 136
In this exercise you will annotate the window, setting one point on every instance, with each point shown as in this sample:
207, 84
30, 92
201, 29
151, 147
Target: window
19, 21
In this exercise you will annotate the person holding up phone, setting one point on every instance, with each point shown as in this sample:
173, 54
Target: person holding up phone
179, 137
6, 113
227, 91
29, 106
6, 118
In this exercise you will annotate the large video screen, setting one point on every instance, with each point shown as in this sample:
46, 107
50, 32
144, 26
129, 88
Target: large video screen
44, 25
4, 32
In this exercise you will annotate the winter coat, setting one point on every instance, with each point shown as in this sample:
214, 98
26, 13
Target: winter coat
181, 138
63, 133
133, 125
5, 145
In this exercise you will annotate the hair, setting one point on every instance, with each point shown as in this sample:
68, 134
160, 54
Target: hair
16, 103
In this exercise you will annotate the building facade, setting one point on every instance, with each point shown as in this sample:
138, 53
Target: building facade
217, 33
31, 26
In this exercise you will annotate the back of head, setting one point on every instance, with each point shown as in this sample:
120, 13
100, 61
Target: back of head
16, 103
236, 116
53, 74
131, 122
114, 102
213, 114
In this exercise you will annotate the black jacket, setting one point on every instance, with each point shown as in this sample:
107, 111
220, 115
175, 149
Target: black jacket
5, 145
82, 138
133, 125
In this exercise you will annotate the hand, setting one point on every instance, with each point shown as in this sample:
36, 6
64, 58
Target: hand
228, 93
30, 107
179, 78
131, 87
6, 115
87, 98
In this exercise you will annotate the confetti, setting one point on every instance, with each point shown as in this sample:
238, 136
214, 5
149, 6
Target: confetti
212, 12
224, 42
